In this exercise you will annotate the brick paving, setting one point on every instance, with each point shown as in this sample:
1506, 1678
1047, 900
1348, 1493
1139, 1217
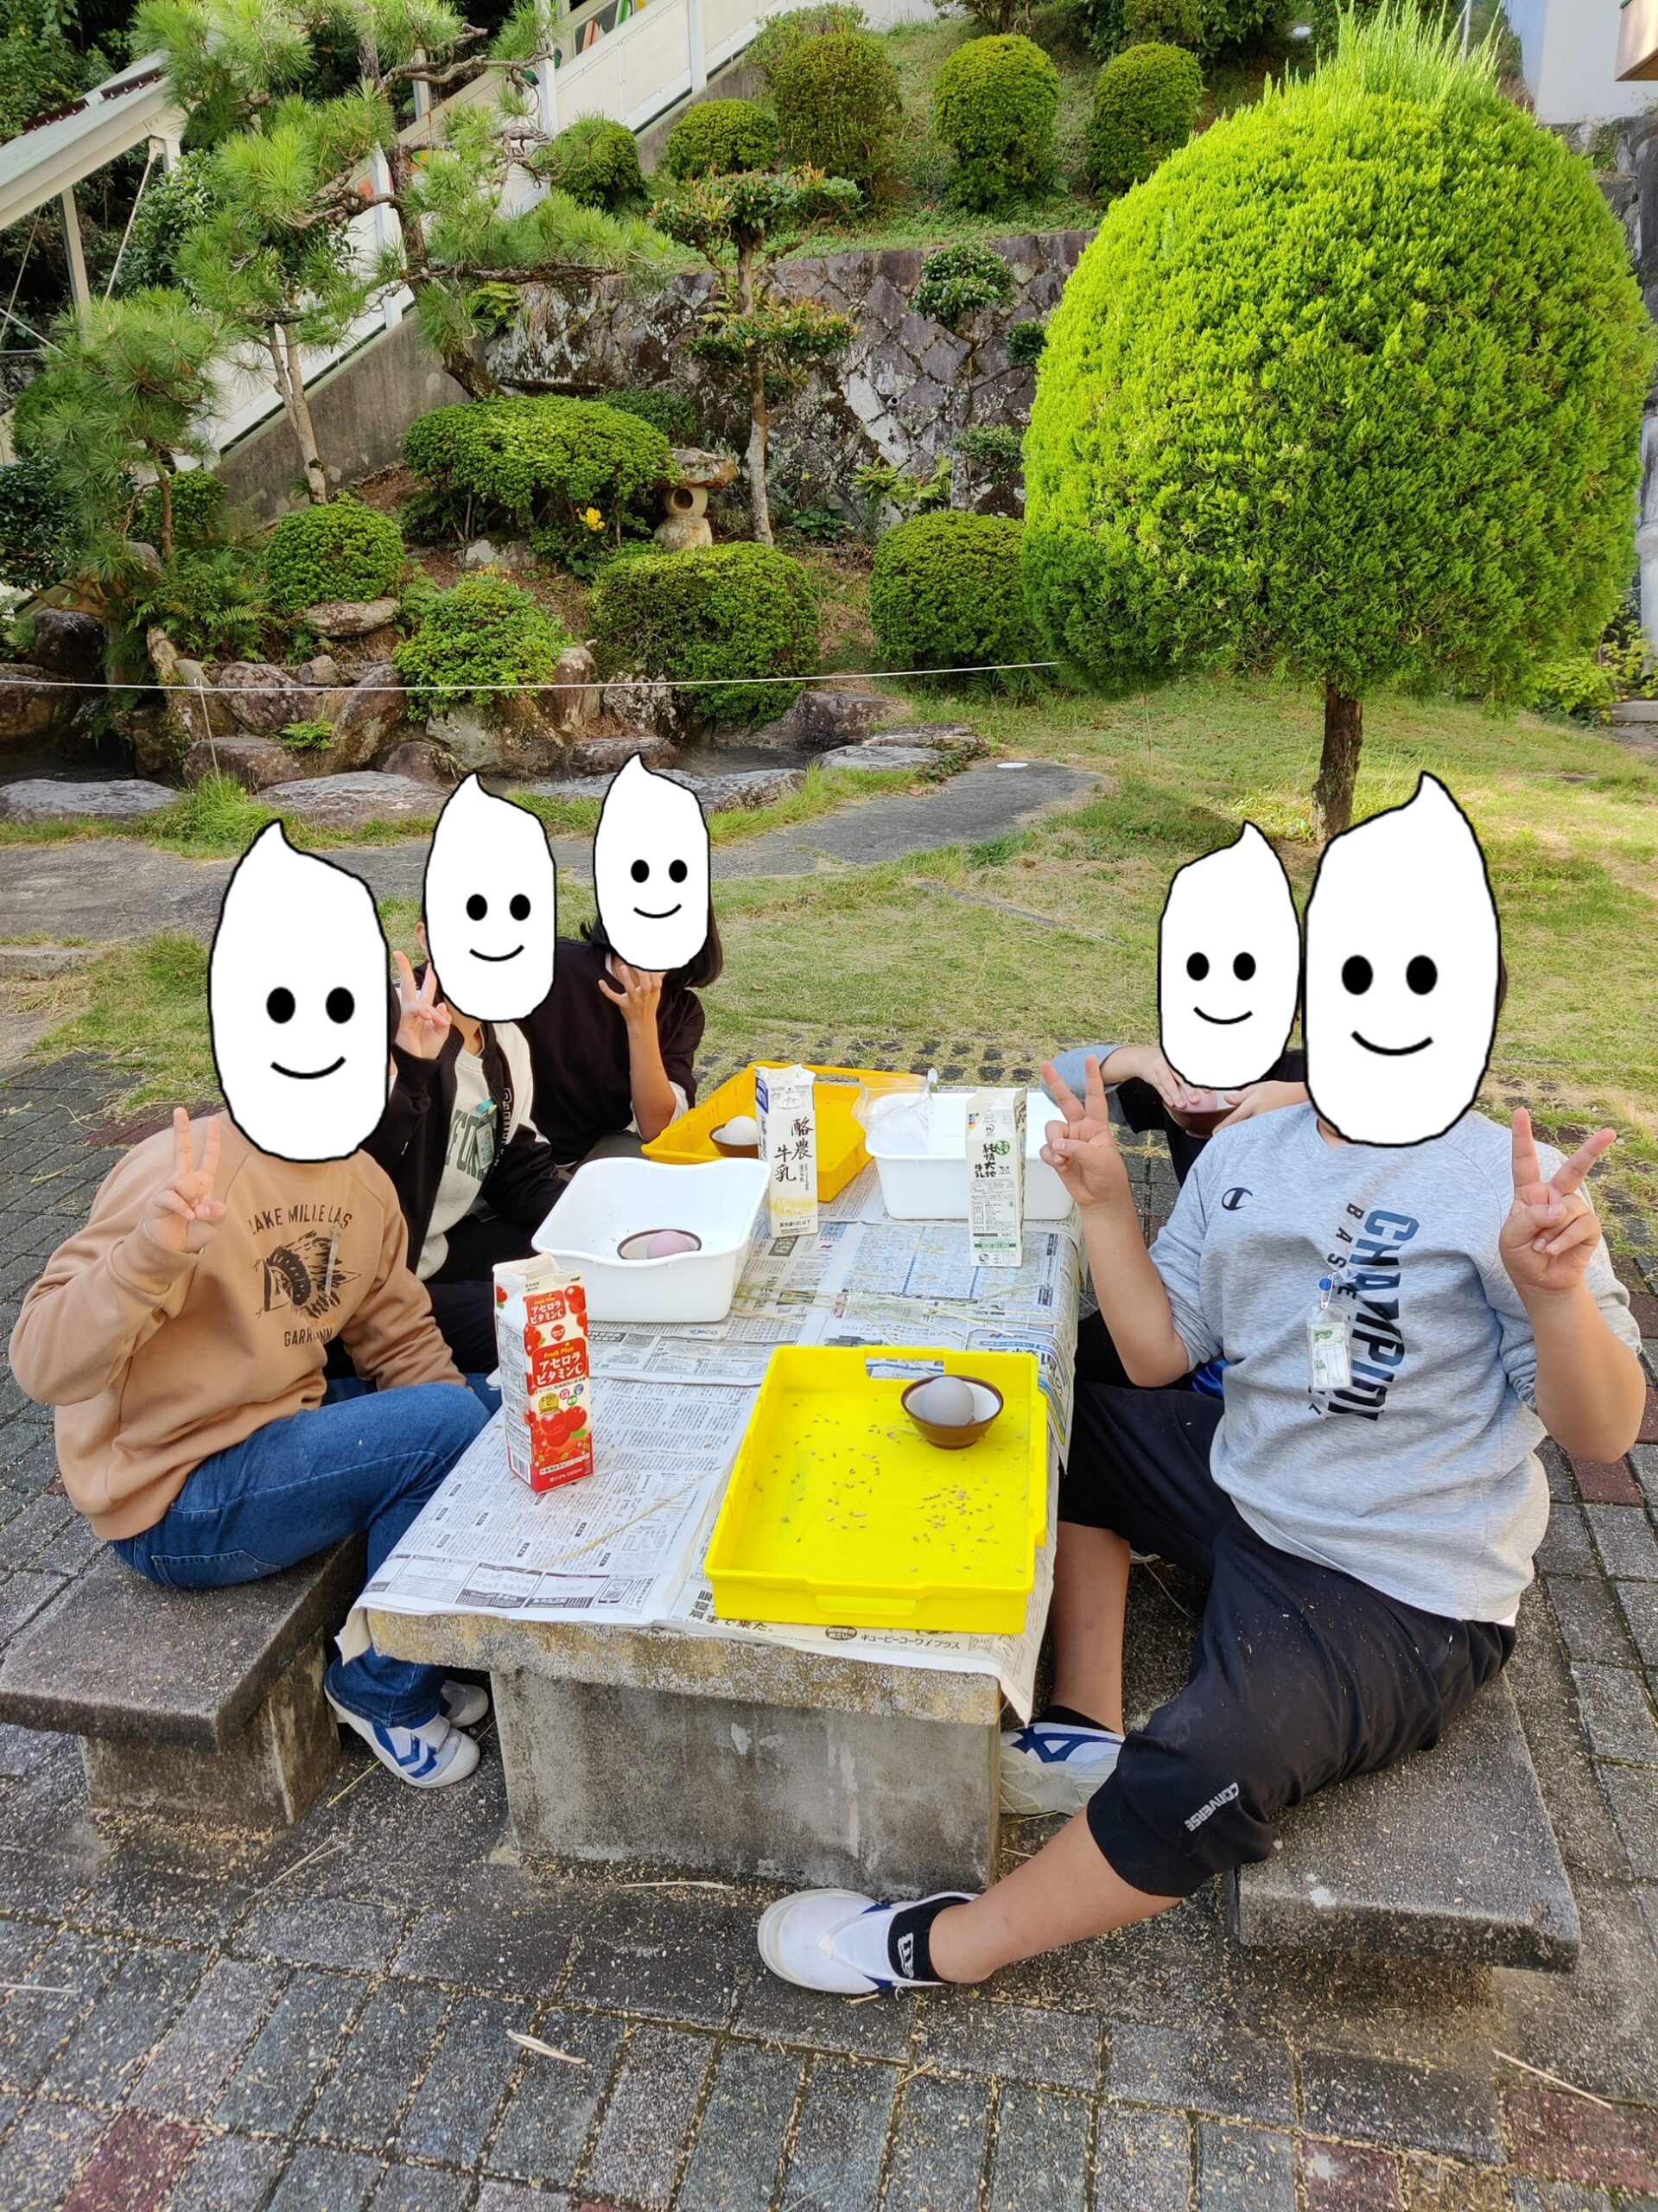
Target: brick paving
322, 2021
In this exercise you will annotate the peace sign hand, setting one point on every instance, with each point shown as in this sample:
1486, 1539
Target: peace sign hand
1551, 1227
183, 1215
1082, 1149
423, 1019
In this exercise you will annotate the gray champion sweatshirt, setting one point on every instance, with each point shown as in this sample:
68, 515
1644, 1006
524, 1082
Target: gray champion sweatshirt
1421, 1478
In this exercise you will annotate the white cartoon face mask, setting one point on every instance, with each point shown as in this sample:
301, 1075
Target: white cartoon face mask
651, 870
490, 907
1401, 983
297, 999
1229, 965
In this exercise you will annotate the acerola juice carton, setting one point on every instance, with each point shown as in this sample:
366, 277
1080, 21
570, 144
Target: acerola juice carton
995, 1177
541, 1338
786, 1100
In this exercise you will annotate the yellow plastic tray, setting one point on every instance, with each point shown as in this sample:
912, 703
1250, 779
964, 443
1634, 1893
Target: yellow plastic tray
839, 1514
839, 1139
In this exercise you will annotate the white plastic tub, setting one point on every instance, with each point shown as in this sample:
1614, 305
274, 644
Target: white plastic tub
609, 1200
924, 1173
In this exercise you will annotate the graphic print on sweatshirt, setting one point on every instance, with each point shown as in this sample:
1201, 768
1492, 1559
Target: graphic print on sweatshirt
1367, 1274
298, 1268
471, 1141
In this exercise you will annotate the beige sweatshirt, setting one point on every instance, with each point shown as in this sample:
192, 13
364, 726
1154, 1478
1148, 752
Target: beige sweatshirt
155, 1359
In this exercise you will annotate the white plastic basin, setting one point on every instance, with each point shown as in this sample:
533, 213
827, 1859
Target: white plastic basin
610, 1199
924, 1173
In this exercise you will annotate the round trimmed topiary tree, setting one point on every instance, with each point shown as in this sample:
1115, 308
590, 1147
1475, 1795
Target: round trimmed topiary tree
720, 138
477, 641
597, 162
1145, 107
344, 550
945, 592
838, 109
710, 615
1351, 388
993, 104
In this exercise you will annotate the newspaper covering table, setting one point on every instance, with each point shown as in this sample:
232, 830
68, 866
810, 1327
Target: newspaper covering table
670, 1408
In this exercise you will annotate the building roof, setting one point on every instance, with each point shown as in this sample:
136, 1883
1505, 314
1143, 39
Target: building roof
51, 158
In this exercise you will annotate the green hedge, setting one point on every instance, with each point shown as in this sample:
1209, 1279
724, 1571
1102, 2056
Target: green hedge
1232, 24
1145, 106
198, 511
664, 409
945, 593
1164, 22
40, 533
484, 631
597, 162
719, 138
994, 105
839, 107
570, 471
778, 35
718, 611
344, 550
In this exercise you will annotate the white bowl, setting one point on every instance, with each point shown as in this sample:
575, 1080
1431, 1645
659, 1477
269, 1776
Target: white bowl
924, 1171
610, 1200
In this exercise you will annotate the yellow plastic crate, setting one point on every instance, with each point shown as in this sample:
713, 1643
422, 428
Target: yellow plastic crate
839, 1514
841, 1152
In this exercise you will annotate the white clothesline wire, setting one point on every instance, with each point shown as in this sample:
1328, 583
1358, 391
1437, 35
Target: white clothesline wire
600, 683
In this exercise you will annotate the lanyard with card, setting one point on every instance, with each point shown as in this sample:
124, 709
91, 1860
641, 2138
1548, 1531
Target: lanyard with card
1327, 1346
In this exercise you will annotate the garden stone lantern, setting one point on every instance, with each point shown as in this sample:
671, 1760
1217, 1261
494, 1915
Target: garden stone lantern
685, 500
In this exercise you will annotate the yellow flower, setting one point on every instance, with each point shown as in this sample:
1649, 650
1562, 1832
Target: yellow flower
592, 518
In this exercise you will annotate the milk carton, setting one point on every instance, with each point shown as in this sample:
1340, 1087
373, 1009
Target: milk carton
786, 1100
995, 1177
541, 1337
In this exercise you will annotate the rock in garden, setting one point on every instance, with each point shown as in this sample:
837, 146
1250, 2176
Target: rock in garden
746, 787
426, 763
959, 738
264, 698
350, 618
652, 707
820, 719
877, 758
577, 704
255, 762
374, 707
322, 672
603, 756
484, 553
42, 798
65, 643
350, 801
33, 704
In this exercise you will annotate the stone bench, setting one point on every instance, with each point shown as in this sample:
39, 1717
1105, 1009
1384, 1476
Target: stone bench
1448, 1855
206, 1703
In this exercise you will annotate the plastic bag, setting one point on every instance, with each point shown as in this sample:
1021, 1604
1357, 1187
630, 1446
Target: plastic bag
883, 1095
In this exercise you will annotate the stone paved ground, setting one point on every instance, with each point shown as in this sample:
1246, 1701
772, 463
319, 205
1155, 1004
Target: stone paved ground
322, 2021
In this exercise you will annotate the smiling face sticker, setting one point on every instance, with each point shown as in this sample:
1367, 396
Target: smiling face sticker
491, 906
1402, 989
1229, 965
297, 1000
651, 870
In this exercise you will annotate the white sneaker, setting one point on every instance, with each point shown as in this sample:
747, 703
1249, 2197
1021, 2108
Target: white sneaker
839, 1942
428, 1758
1053, 1766
464, 1704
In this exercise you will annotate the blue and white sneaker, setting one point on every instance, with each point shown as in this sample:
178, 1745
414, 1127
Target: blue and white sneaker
1055, 1766
463, 1704
428, 1758
846, 1944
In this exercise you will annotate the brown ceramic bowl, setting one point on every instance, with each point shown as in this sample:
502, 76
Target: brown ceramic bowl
956, 1436
733, 1151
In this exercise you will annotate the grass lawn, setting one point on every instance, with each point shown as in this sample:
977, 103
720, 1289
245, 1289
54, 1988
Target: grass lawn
1048, 937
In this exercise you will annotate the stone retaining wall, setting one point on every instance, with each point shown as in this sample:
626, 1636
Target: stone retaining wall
901, 393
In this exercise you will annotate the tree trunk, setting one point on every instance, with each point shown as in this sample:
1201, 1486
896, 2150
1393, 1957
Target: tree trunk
1338, 768
758, 426
164, 484
290, 386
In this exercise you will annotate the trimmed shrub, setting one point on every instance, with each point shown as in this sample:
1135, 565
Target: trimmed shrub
198, 511
720, 138
1162, 22
958, 280
597, 162
778, 35
945, 592
994, 105
483, 633
1145, 107
664, 409
719, 612
1350, 389
344, 550
566, 470
1028, 341
40, 534
838, 109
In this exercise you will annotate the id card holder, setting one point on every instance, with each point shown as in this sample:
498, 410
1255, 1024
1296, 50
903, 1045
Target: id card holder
1327, 1349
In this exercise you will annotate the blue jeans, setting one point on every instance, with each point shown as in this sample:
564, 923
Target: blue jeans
364, 1462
